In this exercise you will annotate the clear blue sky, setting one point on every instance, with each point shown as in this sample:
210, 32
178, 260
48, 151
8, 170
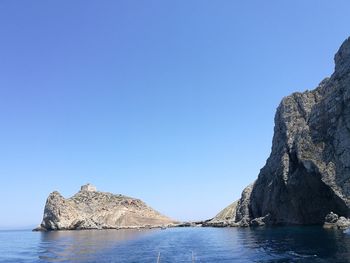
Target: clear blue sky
168, 101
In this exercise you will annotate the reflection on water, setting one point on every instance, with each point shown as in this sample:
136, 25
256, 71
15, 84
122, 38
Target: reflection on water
301, 244
82, 246
277, 244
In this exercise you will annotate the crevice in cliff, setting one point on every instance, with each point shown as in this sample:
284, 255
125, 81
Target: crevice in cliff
301, 109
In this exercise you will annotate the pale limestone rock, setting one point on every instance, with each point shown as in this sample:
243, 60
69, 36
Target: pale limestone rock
225, 218
91, 209
332, 220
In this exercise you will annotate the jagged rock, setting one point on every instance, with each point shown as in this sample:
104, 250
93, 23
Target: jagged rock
331, 218
333, 221
343, 222
91, 209
230, 216
260, 221
242, 209
308, 172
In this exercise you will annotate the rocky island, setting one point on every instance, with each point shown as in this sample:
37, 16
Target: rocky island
92, 209
306, 179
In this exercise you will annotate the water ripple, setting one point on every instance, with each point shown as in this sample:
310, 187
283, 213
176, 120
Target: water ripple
279, 244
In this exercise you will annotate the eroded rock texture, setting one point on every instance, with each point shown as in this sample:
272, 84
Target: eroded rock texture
91, 209
308, 172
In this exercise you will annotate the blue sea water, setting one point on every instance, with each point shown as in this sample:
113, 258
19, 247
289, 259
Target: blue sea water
276, 244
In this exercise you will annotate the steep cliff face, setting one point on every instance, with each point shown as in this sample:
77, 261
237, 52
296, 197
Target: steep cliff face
91, 209
308, 172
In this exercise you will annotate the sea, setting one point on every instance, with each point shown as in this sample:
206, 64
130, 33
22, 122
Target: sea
190, 244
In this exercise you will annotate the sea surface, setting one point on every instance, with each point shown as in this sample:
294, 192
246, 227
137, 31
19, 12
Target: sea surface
276, 244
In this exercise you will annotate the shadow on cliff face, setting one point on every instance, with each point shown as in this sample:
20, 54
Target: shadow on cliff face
307, 174
302, 199
310, 199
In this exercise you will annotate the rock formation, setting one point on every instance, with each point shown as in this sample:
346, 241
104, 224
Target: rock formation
308, 172
332, 220
91, 209
227, 217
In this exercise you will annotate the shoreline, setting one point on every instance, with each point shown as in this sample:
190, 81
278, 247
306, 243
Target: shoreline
183, 224
327, 226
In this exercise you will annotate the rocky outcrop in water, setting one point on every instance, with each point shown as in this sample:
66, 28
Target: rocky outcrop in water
91, 209
308, 172
332, 220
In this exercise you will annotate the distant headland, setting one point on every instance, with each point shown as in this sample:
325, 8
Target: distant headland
92, 209
306, 179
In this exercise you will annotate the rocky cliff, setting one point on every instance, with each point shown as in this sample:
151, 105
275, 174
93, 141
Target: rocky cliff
91, 209
308, 172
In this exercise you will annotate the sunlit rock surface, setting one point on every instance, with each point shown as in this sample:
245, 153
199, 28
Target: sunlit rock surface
92, 209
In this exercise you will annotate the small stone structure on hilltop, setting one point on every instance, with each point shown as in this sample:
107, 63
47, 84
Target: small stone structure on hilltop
88, 187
